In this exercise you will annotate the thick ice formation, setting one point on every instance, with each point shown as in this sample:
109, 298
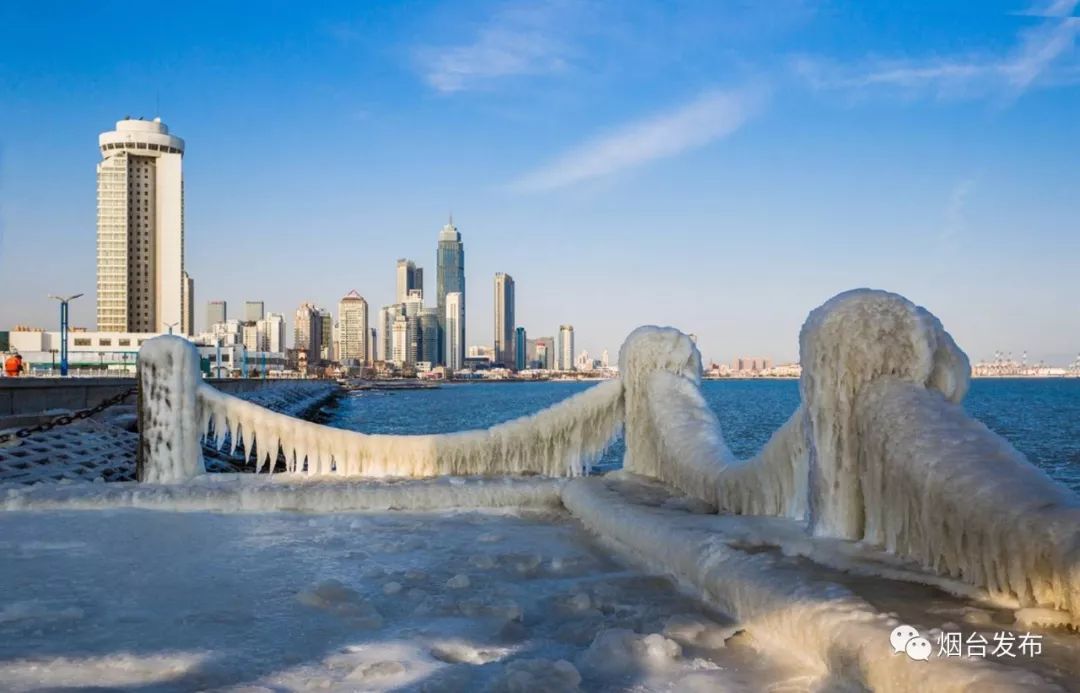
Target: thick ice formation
878, 451
169, 377
822, 624
853, 339
938, 486
561, 440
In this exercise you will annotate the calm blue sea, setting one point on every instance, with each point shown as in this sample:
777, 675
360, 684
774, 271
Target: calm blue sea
1041, 417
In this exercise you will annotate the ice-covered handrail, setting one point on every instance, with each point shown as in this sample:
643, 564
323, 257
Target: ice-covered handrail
561, 440
879, 451
673, 435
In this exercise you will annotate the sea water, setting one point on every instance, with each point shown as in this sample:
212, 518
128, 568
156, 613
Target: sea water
1039, 416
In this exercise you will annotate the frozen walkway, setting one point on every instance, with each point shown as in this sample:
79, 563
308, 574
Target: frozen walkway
142, 600
817, 610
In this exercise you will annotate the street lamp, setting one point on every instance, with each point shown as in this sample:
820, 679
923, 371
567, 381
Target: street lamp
64, 330
170, 325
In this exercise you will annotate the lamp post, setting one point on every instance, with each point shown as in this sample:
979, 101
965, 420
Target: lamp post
64, 300
53, 352
170, 325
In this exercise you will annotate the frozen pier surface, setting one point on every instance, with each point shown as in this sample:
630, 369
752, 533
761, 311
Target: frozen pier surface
879, 482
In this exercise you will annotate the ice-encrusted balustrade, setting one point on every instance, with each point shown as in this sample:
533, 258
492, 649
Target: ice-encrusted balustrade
879, 450
559, 441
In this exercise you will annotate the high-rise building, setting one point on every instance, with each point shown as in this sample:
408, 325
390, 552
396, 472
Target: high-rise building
504, 320
371, 345
249, 335
450, 278
521, 348
254, 310
140, 228
309, 332
409, 278
274, 329
188, 326
387, 316
326, 345
544, 355
353, 323
429, 335
216, 312
453, 331
398, 340
566, 348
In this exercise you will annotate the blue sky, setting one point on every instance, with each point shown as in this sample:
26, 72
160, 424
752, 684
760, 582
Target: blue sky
720, 167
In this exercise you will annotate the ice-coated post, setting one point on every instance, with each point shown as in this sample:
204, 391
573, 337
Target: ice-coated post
852, 340
647, 350
170, 449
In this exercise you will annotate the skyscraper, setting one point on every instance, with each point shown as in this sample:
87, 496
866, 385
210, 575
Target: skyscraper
504, 320
387, 315
326, 334
274, 329
398, 340
453, 332
566, 348
188, 326
521, 348
450, 278
254, 310
140, 228
353, 323
308, 331
409, 278
429, 335
216, 312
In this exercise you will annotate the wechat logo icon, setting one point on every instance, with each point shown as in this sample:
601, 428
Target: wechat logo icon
907, 640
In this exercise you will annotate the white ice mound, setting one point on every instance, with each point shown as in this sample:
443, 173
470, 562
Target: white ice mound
537, 676
618, 652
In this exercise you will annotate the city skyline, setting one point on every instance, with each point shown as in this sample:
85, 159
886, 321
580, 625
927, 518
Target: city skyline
796, 152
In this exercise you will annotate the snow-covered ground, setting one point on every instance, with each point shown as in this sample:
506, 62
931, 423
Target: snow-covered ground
159, 600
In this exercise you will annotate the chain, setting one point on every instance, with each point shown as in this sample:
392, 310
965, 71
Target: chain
65, 419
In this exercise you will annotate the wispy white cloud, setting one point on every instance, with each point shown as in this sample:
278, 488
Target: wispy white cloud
1038, 51
517, 40
711, 116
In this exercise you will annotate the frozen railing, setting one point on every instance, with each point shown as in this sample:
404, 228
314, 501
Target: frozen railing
878, 451
559, 441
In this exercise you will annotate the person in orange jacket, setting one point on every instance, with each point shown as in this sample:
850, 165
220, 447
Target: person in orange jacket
13, 365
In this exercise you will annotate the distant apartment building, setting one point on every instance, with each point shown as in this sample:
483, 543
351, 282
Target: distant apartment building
751, 364
399, 340
308, 332
141, 283
542, 353
254, 310
521, 349
453, 330
409, 278
504, 320
216, 312
565, 356
188, 326
387, 316
353, 326
273, 329
326, 345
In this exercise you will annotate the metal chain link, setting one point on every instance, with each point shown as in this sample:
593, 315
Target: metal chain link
65, 419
